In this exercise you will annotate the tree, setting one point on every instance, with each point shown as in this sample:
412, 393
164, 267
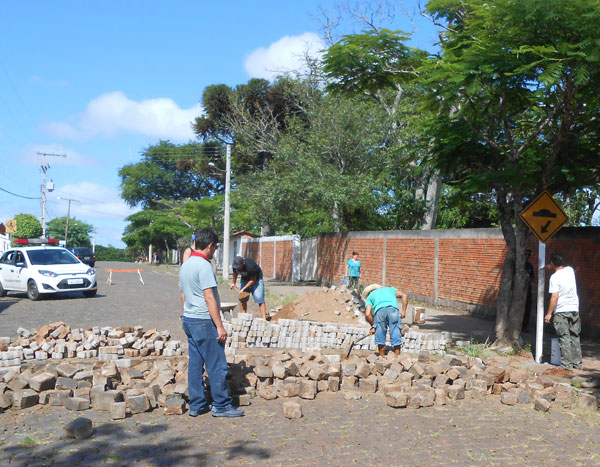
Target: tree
78, 235
377, 64
517, 109
110, 253
28, 226
170, 171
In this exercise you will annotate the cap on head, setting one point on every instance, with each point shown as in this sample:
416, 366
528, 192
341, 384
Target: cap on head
237, 262
369, 289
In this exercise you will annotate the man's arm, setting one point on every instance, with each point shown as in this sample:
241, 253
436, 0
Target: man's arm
215, 313
234, 279
249, 284
182, 297
369, 318
551, 307
404, 298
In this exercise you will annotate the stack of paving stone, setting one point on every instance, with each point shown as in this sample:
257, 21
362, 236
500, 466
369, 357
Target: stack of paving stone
405, 381
120, 387
414, 341
58, 341
130, 386
246, 331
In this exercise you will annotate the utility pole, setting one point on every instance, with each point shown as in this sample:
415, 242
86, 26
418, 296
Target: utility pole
227, 214
68, 216
45, 167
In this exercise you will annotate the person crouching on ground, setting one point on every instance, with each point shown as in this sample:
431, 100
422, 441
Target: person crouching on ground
252, 282
204, 329
382, 313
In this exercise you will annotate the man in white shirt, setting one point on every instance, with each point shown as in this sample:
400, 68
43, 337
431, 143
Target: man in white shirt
563, 312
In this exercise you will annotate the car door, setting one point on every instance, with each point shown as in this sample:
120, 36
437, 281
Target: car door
8, 271
21, 271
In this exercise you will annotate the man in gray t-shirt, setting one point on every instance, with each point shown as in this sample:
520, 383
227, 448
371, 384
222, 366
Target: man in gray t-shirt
204, 329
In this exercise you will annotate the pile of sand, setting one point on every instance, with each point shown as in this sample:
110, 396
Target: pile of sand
321, 306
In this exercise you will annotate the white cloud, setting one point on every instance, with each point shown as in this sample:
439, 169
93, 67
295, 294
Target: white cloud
285, 55
111, 114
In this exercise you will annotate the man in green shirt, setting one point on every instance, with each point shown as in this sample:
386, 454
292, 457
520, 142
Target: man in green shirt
382, 313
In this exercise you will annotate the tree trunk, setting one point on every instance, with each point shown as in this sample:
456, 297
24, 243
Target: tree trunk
335, 216
510, 306
434, 189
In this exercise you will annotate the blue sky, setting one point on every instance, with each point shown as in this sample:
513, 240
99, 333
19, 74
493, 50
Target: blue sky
101, 81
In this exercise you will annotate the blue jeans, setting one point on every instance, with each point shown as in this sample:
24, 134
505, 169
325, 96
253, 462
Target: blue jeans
257, 290
206, 350
388, 317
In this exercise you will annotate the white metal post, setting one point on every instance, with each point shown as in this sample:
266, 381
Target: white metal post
539, 324
227, 214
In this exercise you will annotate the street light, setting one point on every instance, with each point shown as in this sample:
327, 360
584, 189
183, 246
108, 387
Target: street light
227, 212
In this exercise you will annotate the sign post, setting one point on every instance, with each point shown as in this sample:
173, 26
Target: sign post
544, 217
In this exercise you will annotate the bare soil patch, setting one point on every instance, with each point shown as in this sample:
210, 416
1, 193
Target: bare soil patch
325, 306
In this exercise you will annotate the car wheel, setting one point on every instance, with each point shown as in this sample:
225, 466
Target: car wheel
2, 291
90, 293
32, 291
92, 264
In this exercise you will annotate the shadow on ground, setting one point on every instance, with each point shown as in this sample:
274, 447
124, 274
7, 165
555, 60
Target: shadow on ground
111, 443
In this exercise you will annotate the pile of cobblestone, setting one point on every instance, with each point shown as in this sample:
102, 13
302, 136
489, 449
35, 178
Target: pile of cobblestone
247, 331
58, 341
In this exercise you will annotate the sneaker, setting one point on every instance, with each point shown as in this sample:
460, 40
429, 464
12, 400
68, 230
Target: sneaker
229, 412
195, 413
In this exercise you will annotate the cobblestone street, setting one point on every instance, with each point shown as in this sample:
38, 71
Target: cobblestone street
333, 431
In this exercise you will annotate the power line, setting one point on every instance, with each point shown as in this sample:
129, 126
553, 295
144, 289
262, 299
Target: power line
20, 196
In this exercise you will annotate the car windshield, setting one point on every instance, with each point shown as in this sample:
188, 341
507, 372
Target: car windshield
50, 257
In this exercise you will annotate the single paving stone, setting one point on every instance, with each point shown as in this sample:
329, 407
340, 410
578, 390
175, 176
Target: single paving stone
396, 399
542, 404
80, 428
351, 394
263, 371
42, 382
58, 397
6, 400
333, 383
268, 392
63, 382
118, 410
308, 389
105, 400
587, 401
292, 410
24, 398
138, 404
175, 406
509, 398
77, 403
440, 396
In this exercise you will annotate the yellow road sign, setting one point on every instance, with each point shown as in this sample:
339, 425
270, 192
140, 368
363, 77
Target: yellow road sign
11, 226
544, 216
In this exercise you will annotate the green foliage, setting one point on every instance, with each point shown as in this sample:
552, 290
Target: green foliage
173, 172
460, 210
28, 226
78, 235
110, 253
371, 61
153, 227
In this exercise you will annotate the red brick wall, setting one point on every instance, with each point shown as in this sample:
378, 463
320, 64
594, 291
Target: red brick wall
410, 264
469, 264
284, 260
267, 259
469, 270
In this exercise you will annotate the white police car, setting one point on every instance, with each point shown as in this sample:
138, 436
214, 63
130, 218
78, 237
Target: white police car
40, 270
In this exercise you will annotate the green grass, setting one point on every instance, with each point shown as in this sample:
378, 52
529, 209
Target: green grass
475, 350
275, 300
30, 441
